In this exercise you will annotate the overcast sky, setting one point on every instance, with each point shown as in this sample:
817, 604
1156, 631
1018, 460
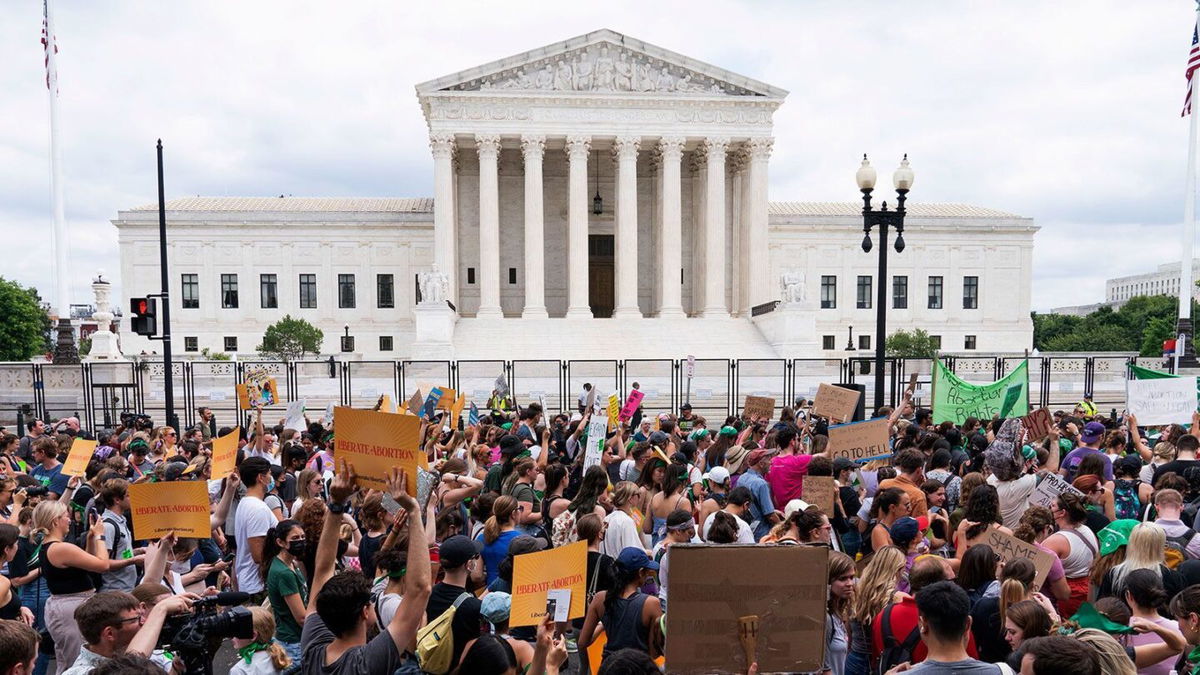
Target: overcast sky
1067, 112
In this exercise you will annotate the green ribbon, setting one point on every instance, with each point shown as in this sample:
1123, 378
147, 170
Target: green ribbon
247, 653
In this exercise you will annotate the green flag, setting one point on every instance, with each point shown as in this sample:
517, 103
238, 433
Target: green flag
955, 400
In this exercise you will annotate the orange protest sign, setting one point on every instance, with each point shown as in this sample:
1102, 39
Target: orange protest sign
534, 574
374, 442
77, 460
224, 454
177, 506
258, 392
449, 396
456, 410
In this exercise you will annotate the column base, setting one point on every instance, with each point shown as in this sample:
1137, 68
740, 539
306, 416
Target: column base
579, 313
1188, 358
627, 313
489, 313
535, 313
714, 313
65, 351
671, 313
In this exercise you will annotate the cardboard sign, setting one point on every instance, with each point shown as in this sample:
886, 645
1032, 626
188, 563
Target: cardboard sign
374, 442
501, 386
635, 400
77, 460
689, 369
447, 399
295, 416
835, 403
1048, 490
473, 415
431, 402
596, 431
912, 384
819, 491
590, 401
1162, 401
1037, 424
257, 391
762, 407
176, 506
712, 586
414, 403
534, 574
224, 454
456, 410
614, 410
860, 440
1011, 548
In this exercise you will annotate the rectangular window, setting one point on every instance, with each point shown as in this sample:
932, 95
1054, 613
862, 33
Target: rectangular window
900, 292
970, 292
385, 294
470, 275
191, 291
969, 342
346, 291
864, 292
230, 344
864, 341
828, 292
935, 292
512, 275
268, 291
308, 291
191, 344
937, 341
385, 343
229, 299
828, 342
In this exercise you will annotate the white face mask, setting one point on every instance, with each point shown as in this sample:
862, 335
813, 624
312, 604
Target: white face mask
181, 568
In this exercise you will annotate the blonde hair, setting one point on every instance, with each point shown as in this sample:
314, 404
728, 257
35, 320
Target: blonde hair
264, 631
45, 513
1015, 582
502, 511
1144, 551
877, 584
623, 492
1164, 451
1109, 652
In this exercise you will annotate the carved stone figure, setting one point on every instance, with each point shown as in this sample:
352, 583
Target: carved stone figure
791, 283
545, 78
604, 70
665, 81
624, 78
644, 76
563, 77
583, 71
435, 286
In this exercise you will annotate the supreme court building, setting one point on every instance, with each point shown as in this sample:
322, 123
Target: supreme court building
596, 198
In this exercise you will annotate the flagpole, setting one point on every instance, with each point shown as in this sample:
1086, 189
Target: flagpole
65, 351
1184, 326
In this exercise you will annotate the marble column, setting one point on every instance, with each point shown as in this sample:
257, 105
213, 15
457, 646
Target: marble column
533, 148
671, 243
755, 210
489, 226
626, 150
714, 229
699, 167
443, 146
577, 228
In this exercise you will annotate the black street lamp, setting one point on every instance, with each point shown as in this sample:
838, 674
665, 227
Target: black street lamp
347, 341
850, 340
902, 179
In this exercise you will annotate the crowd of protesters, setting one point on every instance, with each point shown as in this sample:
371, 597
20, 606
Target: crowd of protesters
339, 579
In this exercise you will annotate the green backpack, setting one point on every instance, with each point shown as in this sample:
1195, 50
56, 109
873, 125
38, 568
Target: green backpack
435, 642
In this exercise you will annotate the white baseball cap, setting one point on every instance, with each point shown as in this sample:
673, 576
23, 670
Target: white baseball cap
717, 474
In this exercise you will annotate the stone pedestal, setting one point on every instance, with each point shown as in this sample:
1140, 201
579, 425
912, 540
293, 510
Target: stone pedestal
104, 340
791, 329
434, 335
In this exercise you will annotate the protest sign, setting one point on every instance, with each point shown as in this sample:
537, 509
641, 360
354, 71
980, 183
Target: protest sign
635, 400
447, 399
1049, 488
590, 401
328, 418
501, 385
1162, 401
689, 369
224, 454
819, 491
414, 403
1010, 548
79, 456
761, 407
534, 574
374, 442
955, 399
431, 402
456, 410
294, 419
177, 506
1037, 424
835, 403
860, 440
596, 431
614, 409
257, 391
712, 587
473, 415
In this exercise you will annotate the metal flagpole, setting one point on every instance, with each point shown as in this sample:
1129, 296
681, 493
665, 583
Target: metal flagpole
1184, 326
64, 350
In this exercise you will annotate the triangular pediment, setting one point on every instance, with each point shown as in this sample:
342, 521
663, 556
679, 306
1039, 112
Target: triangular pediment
600, 62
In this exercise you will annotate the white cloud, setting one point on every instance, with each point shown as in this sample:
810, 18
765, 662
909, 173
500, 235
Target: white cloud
1066, 111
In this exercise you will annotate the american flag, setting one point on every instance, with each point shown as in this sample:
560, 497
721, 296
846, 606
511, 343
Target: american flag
1192, 64
46, 40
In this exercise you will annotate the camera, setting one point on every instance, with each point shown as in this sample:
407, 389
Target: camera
136, 421
191, 635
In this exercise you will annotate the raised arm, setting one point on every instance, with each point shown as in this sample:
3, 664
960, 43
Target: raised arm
1135, 435
340, 490
259, 431
221, 512
418, 581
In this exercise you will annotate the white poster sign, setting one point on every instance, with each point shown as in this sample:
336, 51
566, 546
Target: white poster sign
1051, 486
295, 416
597, 430
1170, 400
690, 369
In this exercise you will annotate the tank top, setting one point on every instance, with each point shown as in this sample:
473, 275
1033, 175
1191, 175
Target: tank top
63, 580
623, 625
1078, 562
12, 611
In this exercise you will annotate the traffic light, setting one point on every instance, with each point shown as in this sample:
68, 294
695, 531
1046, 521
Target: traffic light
144, 316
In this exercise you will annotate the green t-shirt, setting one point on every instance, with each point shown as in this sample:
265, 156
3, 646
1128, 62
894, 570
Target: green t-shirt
492, 481
283, 581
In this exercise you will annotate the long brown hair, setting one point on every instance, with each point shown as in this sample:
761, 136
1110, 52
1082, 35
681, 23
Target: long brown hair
502, 511
839, 565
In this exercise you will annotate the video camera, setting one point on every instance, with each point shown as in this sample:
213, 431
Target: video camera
136, 421
189, 635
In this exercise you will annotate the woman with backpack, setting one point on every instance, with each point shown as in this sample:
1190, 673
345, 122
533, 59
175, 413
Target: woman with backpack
1076, 546
1130, 493
554, 503
592, 490
498, 532
837, 612
876, 588
622, 529
626, 613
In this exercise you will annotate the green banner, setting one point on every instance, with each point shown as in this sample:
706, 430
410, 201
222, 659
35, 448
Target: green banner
955, 399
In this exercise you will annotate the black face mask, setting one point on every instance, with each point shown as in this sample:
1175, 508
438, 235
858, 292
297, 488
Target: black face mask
297, 547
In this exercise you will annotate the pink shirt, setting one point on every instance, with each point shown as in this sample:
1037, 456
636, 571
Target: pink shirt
1162, 667
786, 478
1056, 571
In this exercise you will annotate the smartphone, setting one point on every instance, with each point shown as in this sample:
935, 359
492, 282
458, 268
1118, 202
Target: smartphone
228, 557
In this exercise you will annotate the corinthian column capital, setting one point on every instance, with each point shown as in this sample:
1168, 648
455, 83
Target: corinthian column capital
533, 145
626, 147
578, 146
442, 145
487, 144
715, 148
760, 148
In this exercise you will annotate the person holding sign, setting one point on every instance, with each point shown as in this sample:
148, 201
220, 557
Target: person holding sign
626, 612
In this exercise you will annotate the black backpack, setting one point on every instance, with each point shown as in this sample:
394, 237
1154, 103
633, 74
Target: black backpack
894, 653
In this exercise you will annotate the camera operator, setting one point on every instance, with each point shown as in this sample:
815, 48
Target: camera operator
47, 469
112, 625
334, 638
18, 648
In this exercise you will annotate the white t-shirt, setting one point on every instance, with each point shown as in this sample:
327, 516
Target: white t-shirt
745, 534
254, 518
622, 533
1014, 497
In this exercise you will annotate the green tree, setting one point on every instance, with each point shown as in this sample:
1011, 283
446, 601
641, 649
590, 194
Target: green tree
290, 338
910, 345
1157, 330
1140, 325
1046, 327
22, 329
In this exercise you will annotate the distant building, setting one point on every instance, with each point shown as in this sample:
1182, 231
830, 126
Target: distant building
1163, 281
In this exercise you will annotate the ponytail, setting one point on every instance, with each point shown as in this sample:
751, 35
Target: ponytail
279, 658
271, 547
502, 511
1017, 577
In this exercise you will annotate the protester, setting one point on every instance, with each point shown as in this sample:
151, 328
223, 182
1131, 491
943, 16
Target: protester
624, 610
287, 588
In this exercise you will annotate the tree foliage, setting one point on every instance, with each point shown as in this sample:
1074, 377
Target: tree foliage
916, 344
1140, 325
23, 323
290, 338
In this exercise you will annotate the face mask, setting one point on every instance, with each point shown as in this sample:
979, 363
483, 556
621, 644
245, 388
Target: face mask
297, 547
181, 568
271, 485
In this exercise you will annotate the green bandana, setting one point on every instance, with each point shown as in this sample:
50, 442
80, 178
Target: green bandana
1193, 657
247, 653
728, 431
1089, 617
1115, 535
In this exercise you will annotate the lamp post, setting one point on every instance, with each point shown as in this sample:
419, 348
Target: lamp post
347, 341
850, 340
902, 179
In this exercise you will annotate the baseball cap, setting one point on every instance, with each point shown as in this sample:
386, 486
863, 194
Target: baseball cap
794, 506
717, 474
659, 438
496, 606
635, 558
457, 550
841, 464
904, 530
756, 456
1092, 432
510, 445
686, 406
524, 543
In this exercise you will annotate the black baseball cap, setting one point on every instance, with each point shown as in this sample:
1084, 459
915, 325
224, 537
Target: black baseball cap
686, 406
457, 550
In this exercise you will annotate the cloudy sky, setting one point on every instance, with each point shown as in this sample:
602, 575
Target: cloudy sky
1067, 112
